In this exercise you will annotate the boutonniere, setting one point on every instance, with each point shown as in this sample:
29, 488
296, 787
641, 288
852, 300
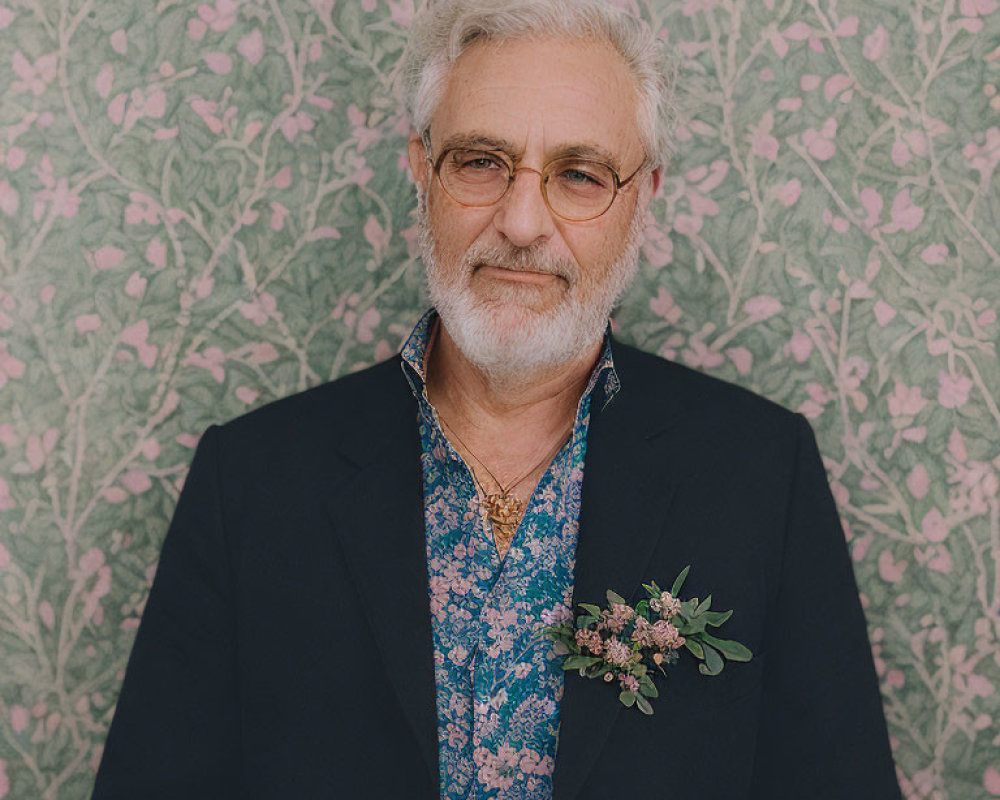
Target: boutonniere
632, 644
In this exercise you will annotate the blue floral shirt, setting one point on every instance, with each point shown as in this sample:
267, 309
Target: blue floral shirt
499, 682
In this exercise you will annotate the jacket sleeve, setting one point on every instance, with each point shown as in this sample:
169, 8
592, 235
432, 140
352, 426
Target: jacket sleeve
822, 731
175, 731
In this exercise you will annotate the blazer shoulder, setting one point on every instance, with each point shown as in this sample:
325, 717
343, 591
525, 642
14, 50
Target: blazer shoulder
705, 400
348, 414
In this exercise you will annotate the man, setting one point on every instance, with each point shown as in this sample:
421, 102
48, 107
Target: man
351, 597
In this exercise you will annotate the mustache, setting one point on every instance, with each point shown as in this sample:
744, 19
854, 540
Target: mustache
519, 259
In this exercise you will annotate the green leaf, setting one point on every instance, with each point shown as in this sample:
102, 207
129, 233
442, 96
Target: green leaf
650, 590
578, 662
713, 662
627, 698
643, 704
679, 582
716, 618
706, 604
734, 651
584, 620
647, 687
642, 608
614, 597
591, 609
695, 648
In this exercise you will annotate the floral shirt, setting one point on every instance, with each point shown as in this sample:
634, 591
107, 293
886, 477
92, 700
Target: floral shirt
499, 682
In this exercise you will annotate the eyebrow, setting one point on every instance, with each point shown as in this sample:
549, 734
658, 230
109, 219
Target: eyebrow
478, 141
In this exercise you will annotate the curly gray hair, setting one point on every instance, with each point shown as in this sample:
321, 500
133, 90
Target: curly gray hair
445, 29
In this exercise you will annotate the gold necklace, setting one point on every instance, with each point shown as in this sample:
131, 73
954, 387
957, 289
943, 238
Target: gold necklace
504, 510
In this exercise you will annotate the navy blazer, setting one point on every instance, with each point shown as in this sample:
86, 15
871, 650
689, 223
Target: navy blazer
285, 650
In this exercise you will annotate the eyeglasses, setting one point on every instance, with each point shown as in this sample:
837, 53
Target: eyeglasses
575, 189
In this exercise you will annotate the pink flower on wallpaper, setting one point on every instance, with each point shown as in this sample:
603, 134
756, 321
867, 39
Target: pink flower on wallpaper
4, 554
953, 390
761, 307
219, 17
905, 215
142, 208
401, 12
260, 309
934, 526
4, 780
359, 127
984, 157
108, 257
889, 570
19, 718
934, 254
376, 236
906, 401
136, 335
156, 251
918, 481
34, 77
819, 144
835, 85
10, 367
211, 359
251, 46
208, 111
663, 306
136, 285
697, 354
247, 395
219, 63
977, 8
278, 216
104, 81
137, 481
789, 194
291, 126
991, 781
872, 203
799, 346
763, 143
657, 245
6, 17
875, 44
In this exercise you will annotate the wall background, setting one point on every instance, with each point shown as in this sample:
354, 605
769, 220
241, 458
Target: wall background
205, 207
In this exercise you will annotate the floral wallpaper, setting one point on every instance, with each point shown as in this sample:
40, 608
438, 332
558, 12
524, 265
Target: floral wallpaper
204, 207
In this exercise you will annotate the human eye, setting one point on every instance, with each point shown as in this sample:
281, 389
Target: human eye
584, 176
476, 161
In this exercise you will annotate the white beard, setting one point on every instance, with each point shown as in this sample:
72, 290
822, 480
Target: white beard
508, 341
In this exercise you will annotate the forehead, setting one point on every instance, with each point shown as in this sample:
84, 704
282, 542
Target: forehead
545, 96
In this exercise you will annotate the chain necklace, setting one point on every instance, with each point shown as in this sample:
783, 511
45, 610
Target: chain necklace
503, 509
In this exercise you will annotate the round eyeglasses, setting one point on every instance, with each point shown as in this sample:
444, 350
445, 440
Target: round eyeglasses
575, 189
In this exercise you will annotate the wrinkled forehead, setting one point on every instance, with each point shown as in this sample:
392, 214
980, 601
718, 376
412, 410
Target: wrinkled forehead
543, 98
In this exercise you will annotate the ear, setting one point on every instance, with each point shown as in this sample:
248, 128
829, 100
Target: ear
650, 186
418, 161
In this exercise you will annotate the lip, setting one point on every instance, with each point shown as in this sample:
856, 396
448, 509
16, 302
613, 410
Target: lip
518, 276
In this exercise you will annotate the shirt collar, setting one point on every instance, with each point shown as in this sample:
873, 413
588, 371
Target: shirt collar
603, 383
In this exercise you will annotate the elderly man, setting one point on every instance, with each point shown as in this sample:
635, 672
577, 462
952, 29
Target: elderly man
353, 595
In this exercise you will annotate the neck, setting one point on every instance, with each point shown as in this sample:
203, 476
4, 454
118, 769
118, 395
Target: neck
467, 396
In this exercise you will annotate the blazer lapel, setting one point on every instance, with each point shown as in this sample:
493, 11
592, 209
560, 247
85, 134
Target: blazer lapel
628, 488
378, 517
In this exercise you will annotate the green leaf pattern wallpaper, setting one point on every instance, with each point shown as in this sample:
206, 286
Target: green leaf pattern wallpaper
205, 207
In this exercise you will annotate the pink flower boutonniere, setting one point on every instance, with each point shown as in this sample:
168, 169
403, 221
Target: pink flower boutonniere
630, 644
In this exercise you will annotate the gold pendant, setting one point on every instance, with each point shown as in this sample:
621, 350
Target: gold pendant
504, 511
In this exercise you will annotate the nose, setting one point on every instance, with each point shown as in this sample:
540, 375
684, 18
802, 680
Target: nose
522, 215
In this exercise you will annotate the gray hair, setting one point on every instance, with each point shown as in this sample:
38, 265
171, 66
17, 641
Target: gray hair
445, 29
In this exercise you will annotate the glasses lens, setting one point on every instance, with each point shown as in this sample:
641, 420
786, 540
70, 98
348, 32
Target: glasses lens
474, 177
578, 189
